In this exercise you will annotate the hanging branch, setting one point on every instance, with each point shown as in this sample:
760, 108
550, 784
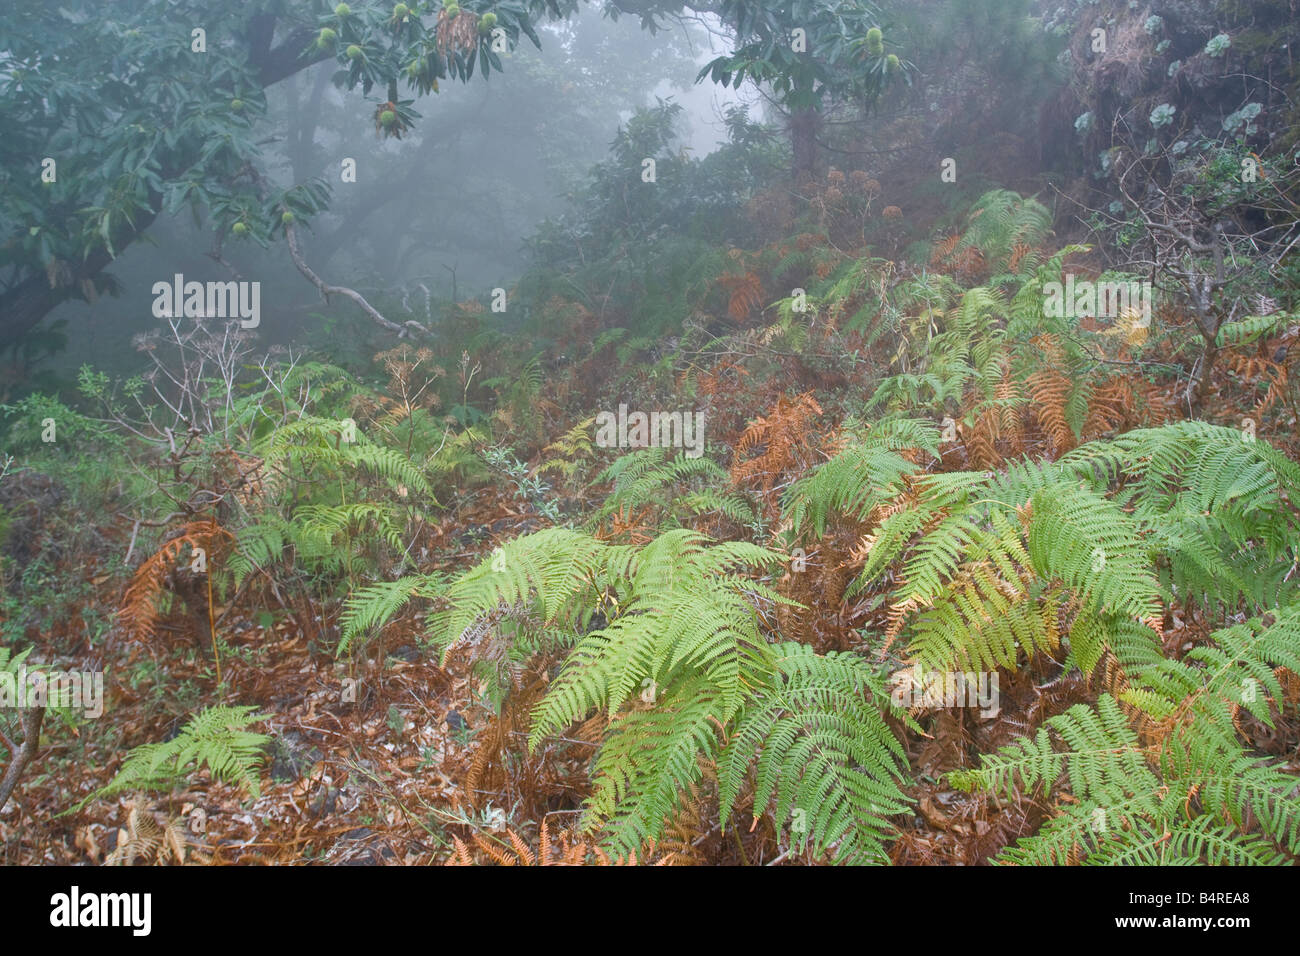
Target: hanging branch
326, 290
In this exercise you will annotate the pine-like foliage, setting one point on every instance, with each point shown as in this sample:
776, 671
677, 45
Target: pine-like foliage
689, 680
215, 738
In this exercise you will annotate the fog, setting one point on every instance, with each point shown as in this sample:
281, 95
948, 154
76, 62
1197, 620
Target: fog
728, 433
442, 213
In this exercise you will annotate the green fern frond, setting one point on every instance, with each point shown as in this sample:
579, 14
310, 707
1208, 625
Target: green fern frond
1252, 328
1201, 787
860, 478
375, 605
215, 737
820, 753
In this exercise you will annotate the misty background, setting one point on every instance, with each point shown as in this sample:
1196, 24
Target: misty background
443, 213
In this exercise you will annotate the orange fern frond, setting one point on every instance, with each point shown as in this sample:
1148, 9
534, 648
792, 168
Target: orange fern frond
783, 435
746, 293
1110, 407
139, 611
460, 855
1050, 390
1018, 253
943, 249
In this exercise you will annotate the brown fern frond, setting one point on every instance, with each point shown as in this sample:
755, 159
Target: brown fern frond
139, 611
499, 855
783, 436
1050, 390
544, 842
1111, 407
746, 293
1254, 369
630, 525
460, 856
943, 249
147, 841
1018, 253
723, 376
522, 849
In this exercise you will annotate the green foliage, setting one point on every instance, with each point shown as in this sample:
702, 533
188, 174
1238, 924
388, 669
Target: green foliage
375, 604
568, 453
1201, 795
215, 738
860, 478
360, 497
985, 585
687, 678
653, 254
999, 221
27, 417
675, 487
1213, 505
844, 54
1252, 328
953, 348
1115, 528
311, 444
10, 667
174, 122
815, 737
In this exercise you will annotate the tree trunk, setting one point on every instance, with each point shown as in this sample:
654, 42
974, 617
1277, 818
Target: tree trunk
1208, 322
23, 306
803, 137
1201, 390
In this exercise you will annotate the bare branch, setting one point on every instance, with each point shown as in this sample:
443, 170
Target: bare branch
31, 720
326, 290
